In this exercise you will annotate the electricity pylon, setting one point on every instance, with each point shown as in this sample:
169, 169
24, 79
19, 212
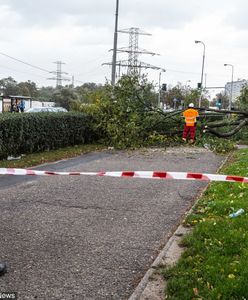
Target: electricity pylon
58, 74
133, 65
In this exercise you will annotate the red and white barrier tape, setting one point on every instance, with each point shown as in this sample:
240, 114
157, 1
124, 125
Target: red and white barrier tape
133, 174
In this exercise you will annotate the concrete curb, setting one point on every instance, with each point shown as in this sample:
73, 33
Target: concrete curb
154, 289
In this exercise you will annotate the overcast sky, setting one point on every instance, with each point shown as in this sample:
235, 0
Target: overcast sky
80, 34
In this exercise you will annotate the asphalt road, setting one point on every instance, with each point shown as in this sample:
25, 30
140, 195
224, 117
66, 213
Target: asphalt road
86, 237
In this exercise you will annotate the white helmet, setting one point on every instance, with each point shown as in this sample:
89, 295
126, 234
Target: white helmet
191, 104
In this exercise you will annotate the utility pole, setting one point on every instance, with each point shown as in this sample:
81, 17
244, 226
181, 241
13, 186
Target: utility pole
203, 61
159, 87
115, 45
72, 81
231, 94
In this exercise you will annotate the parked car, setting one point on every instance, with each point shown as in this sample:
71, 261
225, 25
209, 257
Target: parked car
46, 109
59, 109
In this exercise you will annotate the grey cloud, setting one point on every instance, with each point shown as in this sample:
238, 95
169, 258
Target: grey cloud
237, 18
173, 14
145, 14
165, 13
158, 13
49, 13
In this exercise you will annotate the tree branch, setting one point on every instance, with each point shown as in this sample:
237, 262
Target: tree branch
230, 133
222, 124
237, 112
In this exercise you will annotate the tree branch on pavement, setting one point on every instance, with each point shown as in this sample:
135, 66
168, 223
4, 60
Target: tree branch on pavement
230, 133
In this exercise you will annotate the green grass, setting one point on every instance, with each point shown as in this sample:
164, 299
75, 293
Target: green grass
31, 160
215, 262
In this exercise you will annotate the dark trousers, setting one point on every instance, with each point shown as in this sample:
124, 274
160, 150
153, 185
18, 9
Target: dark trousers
189, 130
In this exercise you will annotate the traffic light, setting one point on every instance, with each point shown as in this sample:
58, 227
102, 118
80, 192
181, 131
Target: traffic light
164, 87
199, 85
218, 103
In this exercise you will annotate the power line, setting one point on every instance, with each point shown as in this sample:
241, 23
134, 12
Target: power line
177, 71
11, 69
58, 73
90, 71
23, 62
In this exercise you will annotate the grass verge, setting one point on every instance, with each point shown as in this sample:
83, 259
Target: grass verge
31, 160
215, 262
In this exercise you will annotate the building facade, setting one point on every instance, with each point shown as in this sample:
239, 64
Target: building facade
235, 88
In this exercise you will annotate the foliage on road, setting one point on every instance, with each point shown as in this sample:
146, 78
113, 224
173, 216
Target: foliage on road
215, 262
125, 114
217, 145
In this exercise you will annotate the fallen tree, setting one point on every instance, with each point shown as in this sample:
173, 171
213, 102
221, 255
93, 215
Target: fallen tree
233, 121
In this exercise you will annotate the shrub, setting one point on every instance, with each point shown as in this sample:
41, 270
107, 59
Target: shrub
28, 133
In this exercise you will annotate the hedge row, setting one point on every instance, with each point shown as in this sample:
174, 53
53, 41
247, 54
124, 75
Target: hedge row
28, 133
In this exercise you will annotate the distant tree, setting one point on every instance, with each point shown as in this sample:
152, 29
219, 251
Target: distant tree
221, 100
91, 86
28, 88
181, 96
173, 97
64, 97
9, 86
192, 96
87, 93
45, 94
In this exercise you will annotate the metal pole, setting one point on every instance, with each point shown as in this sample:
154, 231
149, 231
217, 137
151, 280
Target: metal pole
203, 62
115, 45
159, 88
230, 104
231, 94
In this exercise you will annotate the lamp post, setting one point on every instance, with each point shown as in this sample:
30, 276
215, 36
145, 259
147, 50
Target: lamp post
115, 45
159, 86
231, 95
203, 61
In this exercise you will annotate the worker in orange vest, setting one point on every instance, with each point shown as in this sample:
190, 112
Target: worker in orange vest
190, 116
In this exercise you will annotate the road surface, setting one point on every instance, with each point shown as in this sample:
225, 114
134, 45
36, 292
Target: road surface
87, 237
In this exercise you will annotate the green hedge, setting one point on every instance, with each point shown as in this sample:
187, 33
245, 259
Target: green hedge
28, 133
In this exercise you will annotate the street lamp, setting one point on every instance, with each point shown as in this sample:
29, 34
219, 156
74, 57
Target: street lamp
115, 45
203, 60
159, 86
231, 96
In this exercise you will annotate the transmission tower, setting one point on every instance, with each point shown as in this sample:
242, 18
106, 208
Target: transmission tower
133, 65
58, 74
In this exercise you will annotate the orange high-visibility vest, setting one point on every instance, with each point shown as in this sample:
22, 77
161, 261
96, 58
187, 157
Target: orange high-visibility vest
190, 116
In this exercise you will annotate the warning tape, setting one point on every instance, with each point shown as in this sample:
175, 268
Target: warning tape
133, 174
